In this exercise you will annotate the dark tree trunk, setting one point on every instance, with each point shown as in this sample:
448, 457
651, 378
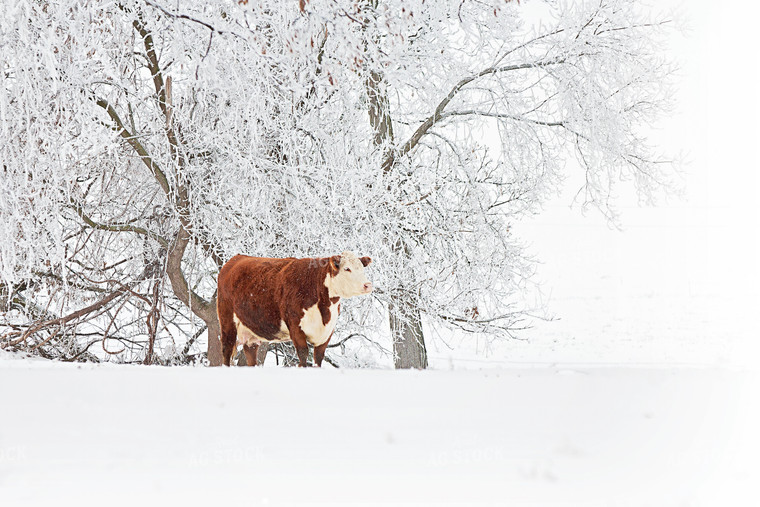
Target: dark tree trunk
403, 310
214, 350
408, 340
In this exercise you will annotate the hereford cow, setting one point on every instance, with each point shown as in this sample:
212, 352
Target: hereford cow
276, 300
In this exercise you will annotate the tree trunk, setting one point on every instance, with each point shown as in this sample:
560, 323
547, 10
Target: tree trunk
180, 196
403, 310
406, 326
214, 350
408, 340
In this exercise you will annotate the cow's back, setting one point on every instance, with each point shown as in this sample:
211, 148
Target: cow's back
250, 290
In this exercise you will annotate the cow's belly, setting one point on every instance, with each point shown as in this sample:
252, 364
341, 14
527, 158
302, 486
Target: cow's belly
317, 332
247, 337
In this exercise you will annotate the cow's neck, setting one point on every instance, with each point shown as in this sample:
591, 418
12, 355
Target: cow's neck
334, 298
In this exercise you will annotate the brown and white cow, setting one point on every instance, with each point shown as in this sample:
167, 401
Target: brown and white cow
276, 300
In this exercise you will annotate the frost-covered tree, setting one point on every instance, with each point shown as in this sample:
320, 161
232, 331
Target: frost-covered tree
144, 143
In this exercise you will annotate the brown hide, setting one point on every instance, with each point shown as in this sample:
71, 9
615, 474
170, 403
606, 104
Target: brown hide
264, 292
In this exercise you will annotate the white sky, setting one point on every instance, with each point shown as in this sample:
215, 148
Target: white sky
680, 282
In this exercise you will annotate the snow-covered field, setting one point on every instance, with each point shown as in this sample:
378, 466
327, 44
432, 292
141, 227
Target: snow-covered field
559, 435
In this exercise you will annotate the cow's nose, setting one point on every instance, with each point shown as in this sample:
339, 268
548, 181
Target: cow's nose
368, 287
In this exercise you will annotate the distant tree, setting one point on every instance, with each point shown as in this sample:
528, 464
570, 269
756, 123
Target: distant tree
146, 142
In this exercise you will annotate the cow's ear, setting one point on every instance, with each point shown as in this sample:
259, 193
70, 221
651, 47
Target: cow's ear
366, 261
335, 263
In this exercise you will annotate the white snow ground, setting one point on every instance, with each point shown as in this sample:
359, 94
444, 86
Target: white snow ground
559, 435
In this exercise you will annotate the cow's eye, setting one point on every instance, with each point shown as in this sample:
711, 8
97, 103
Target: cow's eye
348, 269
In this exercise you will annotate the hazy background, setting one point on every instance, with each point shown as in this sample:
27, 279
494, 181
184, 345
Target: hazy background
679, 283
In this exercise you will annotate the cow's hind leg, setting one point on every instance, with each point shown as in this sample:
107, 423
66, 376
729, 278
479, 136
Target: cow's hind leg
228, 329
228, 349
229, 343
251, 353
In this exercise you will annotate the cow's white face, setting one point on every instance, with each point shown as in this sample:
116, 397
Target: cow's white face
348, 278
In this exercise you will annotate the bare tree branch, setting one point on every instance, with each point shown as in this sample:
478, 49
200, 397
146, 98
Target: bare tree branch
437, 115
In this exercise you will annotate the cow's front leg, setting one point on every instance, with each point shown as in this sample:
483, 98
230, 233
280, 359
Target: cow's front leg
302, 347
319, 352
